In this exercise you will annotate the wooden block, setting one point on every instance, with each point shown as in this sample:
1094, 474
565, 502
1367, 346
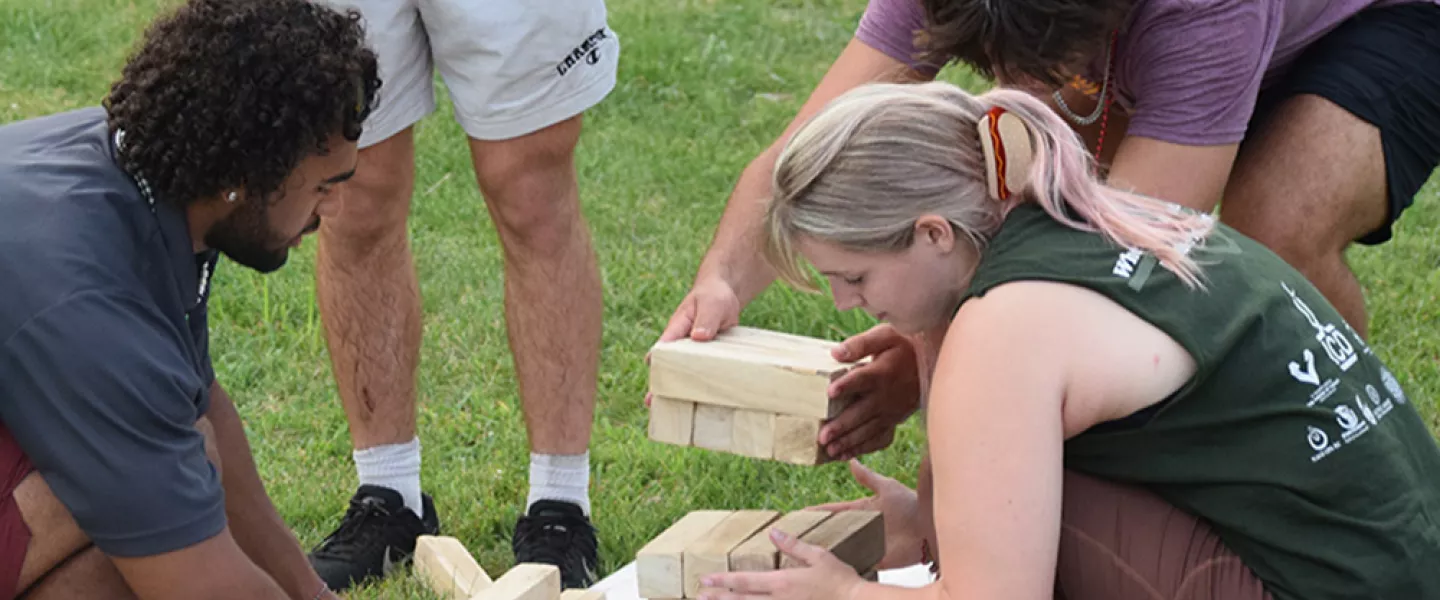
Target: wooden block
448, 568
856, 537
753, 433
710, 553
713, 427
671, 420
760, 554
582, 595
796, 440
749, 368
525, 581
659, 569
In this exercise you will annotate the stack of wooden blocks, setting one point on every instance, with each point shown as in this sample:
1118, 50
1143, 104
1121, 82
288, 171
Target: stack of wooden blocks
704, 542
749, 391
452, 573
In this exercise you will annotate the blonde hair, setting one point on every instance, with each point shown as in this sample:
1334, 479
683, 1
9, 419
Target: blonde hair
863, 169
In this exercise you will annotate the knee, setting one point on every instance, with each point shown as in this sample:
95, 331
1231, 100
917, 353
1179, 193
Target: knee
374, 209
532, 196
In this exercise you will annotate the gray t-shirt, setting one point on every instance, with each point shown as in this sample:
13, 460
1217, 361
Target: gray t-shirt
104, 357
1187, 71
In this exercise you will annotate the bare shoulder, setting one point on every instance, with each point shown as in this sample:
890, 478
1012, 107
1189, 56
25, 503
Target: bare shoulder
1111, 362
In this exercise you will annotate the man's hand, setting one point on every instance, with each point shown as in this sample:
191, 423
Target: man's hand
905, 523
885, 392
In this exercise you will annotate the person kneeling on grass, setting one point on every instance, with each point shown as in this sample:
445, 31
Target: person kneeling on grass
1129, 400
125, 468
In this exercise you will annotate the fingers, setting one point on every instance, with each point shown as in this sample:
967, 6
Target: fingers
874, 340
740, 584
851, 417
868, 437
808, 554
680, 323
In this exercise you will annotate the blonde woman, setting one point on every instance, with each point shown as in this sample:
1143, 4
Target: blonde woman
1129, 400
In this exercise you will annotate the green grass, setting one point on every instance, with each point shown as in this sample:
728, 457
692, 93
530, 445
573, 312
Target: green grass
704, 86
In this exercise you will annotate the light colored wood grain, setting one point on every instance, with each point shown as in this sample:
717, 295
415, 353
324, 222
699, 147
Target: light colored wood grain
710, 553
760, 554
671, 421
796, 440
525, 581
714, 426
753, 433
749, 368
659, 563
856, 537
447, 567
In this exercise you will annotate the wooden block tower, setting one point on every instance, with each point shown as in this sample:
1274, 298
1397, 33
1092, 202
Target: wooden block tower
452, 573
704, 542
749, 391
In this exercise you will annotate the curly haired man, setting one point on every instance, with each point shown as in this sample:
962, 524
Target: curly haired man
124, 466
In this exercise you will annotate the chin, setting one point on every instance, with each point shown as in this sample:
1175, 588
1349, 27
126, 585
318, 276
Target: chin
263, 262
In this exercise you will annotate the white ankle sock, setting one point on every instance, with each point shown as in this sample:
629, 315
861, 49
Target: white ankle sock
560, 477
394, 466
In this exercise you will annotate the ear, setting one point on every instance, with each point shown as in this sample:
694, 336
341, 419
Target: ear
935, 230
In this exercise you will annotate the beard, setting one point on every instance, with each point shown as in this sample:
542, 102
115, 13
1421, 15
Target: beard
245, 237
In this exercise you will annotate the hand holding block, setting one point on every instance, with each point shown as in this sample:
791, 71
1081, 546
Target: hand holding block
751, 392
448, 568
856, 537
750, 369
760, 554
710, 553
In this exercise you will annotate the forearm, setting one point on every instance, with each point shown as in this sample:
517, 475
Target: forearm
254, 522
734, 255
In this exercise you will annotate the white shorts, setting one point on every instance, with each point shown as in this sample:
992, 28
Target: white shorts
512, 67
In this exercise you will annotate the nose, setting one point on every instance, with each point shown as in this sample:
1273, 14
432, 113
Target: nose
847, 298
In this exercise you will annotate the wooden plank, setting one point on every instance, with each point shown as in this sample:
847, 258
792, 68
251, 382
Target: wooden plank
448, 568
797, 440
525, 581
659, 563
671, 421
710, 553
748, 368
714, 425
582, 595
760, 554
753, 433
856, 537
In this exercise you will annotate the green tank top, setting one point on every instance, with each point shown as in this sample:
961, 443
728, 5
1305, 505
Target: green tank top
1292, 439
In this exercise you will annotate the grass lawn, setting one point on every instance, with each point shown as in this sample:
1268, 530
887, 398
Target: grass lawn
704, 86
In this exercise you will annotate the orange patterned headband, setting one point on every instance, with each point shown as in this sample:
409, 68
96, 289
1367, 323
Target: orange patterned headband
1005, 141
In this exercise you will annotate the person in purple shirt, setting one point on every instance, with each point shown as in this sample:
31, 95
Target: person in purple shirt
1316, 121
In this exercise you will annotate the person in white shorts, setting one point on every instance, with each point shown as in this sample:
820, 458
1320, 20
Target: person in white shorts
520, 75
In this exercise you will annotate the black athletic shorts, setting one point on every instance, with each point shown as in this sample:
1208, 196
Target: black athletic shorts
1383, 66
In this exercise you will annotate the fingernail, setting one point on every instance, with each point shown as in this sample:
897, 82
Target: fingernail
778, 535
701, 331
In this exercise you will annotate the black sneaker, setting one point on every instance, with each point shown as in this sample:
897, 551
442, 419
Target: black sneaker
558, 533
376, 535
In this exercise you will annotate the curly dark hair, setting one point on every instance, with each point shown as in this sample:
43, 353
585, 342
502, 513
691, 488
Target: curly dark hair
1034, 38
228, 93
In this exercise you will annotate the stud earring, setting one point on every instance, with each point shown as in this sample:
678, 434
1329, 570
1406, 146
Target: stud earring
232, 196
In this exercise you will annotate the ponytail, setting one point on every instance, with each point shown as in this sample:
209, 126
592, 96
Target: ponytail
1030, 153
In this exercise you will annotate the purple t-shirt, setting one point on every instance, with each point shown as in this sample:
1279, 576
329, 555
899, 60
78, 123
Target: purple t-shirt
1187, 71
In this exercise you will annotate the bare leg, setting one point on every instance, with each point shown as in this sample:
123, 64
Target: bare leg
553, 298
89, 574
1309, 182
54, 536
369, 296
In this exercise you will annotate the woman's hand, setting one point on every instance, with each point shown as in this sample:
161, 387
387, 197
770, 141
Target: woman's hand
901, 508
822, 577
